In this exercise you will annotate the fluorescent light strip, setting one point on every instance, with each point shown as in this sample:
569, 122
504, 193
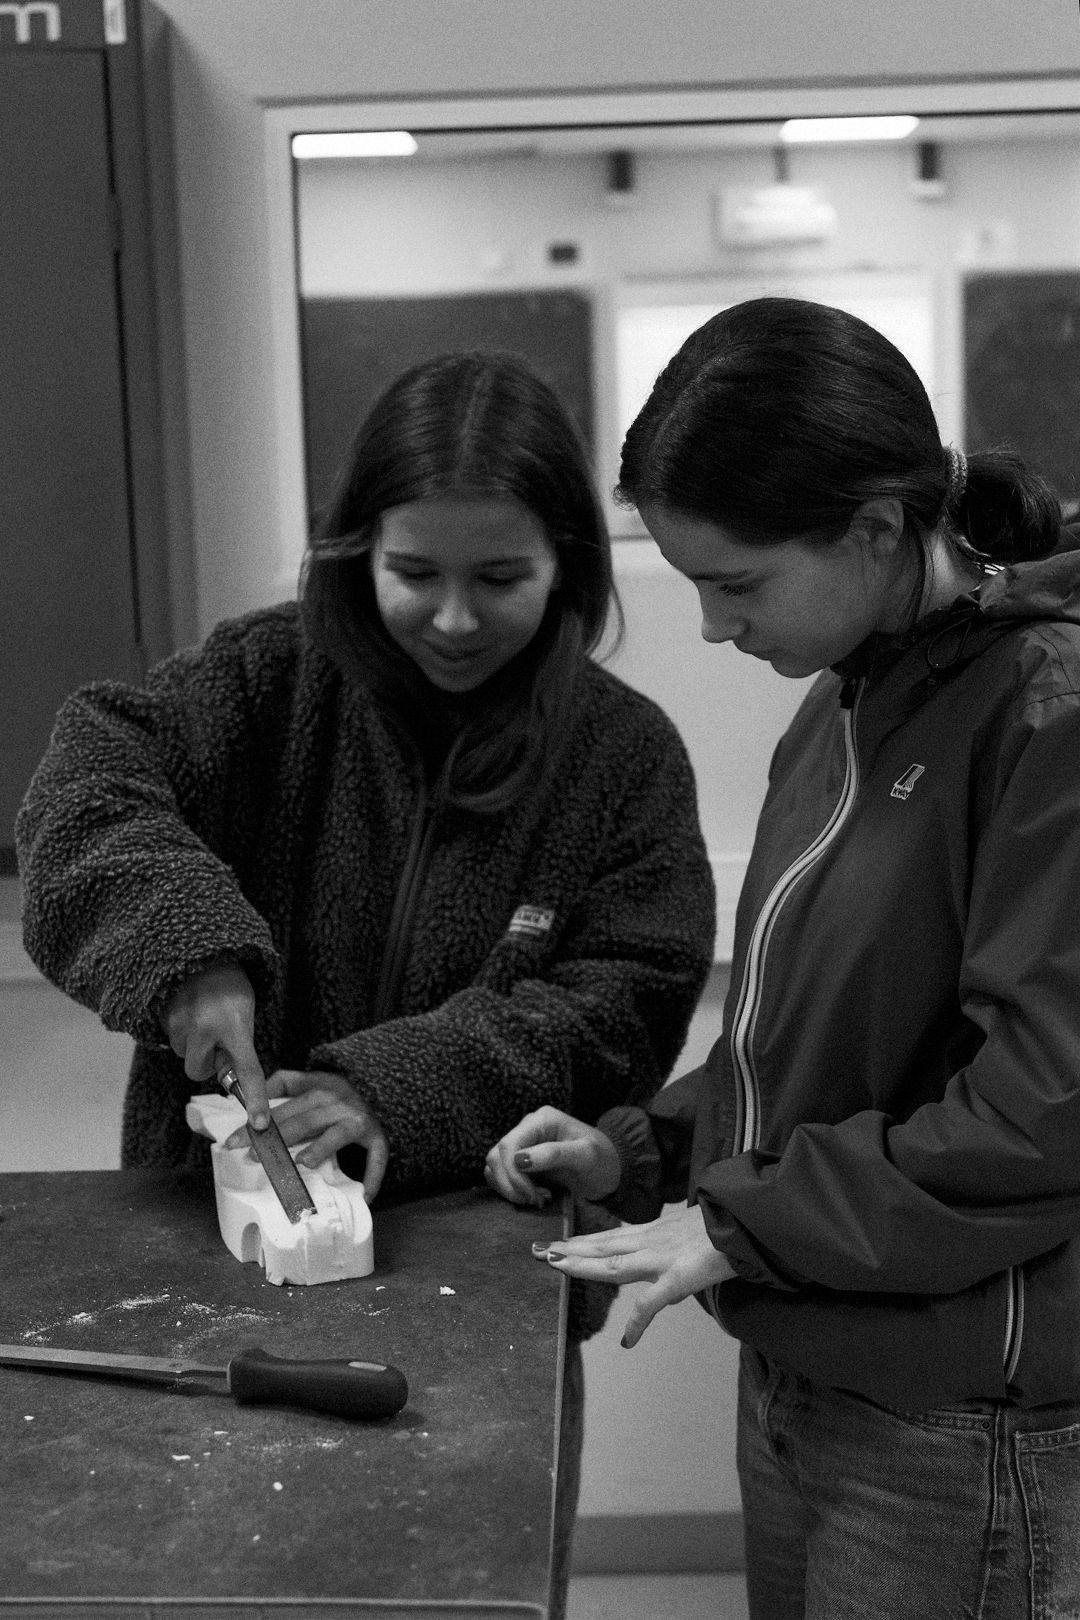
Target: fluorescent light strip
798, 130
355, 143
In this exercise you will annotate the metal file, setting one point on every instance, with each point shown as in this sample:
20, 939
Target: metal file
354, 1389
270, 1150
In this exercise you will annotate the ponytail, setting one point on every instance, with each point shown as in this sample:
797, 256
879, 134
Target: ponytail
1006, 512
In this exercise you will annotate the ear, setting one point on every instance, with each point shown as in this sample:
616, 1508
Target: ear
878, 527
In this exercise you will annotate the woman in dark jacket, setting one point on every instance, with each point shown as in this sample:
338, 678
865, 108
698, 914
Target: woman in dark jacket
407, 856
882, 1154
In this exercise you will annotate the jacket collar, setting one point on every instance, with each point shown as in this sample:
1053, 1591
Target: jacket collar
1048, 588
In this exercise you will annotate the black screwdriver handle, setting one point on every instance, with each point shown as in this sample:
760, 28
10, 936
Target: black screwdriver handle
352, 1389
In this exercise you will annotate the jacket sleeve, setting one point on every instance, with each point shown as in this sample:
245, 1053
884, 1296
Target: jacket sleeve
124, 895
653, 1144
989, 1176
599, 1022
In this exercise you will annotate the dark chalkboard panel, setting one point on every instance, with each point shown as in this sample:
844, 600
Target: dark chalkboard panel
354, 347
1022, 370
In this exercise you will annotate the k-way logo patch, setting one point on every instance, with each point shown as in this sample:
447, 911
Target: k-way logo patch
535, 921
904, 784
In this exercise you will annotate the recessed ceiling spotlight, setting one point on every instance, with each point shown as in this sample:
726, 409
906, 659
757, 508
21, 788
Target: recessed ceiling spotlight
354, 143
891, 128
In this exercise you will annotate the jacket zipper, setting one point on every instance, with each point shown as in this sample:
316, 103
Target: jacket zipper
399, 936
748, 1124
1014, 1320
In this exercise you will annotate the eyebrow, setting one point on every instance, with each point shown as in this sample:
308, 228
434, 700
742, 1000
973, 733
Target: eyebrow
508, 560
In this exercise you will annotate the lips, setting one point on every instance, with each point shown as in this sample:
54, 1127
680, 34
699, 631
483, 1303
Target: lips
455, 655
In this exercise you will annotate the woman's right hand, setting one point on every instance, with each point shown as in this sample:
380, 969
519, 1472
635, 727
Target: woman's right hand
550, 1146
210, 1024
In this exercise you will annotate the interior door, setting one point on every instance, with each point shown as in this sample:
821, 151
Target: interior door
67, 589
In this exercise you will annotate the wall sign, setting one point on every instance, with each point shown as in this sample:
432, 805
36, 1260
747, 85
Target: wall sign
62, 24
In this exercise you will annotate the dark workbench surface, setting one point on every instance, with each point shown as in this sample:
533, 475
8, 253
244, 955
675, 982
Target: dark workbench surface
133, 1495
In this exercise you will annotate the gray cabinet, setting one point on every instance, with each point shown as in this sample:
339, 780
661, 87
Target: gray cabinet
83, 585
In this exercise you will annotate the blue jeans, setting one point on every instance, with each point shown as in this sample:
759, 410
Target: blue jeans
854, 1511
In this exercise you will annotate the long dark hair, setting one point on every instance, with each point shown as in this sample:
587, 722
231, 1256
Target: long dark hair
779, 417
476, 423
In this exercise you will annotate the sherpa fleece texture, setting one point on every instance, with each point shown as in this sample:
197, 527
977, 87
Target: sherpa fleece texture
251, 802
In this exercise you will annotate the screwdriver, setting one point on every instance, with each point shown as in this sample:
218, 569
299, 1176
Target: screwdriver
351, 1389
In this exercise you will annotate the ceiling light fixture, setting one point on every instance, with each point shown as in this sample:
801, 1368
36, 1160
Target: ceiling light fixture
892, 128
355, 143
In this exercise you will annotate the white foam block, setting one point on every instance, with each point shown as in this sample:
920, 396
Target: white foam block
333, 1243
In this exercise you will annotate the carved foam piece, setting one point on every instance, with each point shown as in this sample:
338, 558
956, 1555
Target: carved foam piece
328, 1245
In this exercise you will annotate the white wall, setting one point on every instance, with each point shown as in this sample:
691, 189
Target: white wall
61, 1082
301, 49
729, 709
660, 1419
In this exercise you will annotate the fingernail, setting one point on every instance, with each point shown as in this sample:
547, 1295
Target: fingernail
540, 1250
259, 1122
555, 1253
523, 1160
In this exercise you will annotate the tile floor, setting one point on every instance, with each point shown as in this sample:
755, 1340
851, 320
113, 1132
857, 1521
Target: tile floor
657, 1597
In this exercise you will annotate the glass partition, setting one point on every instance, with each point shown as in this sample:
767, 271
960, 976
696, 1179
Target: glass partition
595, 251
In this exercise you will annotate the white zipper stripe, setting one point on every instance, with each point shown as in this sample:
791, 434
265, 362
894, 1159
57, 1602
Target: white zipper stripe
744, 1024
1014, 1321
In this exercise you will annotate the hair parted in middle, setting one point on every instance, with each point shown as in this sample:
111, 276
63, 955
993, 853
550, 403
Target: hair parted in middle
474, 423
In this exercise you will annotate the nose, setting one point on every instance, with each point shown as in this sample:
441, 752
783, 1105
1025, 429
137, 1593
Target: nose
455, 615
717, 626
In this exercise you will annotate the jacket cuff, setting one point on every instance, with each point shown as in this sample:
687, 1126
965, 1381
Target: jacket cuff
750, 1263
260, 965
638, 1196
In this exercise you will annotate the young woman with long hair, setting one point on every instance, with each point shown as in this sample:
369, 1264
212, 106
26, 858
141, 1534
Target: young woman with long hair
404, 854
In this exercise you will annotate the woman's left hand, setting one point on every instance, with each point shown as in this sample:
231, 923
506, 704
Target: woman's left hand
326, 1113
674, 1254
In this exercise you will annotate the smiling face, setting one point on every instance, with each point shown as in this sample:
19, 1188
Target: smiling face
799, 607
462, 583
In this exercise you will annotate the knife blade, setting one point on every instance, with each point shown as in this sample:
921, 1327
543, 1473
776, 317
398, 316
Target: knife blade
352, 1389
269, 1148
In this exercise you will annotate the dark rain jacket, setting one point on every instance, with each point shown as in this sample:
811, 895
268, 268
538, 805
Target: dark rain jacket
460, 969
886, 1139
